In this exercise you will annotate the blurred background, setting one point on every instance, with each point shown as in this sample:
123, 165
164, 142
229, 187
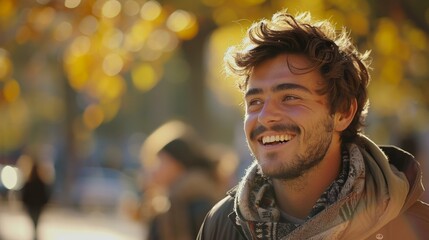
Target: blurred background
84, 83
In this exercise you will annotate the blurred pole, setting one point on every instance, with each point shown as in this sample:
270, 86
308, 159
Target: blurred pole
70, 159
194, 52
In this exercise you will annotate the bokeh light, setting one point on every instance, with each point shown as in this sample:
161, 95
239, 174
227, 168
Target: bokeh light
11, 90
41, 18
63, 31
113, 38
137, 36
151, 10
71, 3
93, 116
144, 77
5, 65
183, 23
112, 64
88, 25
111, 8
131, 7
11, 177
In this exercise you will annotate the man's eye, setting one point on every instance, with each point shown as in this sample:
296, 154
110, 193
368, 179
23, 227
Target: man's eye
290, 98
254, 102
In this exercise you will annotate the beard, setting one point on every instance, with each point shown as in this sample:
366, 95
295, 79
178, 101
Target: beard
316, 141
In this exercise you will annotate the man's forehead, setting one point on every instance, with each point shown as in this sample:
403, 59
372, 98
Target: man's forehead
283, 65
309, 82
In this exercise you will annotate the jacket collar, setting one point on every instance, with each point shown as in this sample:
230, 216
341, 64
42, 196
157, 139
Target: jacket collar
232, 216
406, 163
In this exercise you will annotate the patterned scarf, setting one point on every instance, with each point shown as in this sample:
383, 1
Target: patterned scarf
259, 215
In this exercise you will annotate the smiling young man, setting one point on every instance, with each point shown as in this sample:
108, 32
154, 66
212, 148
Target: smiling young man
315, 175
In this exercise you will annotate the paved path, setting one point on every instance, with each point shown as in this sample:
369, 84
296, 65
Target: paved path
66, 224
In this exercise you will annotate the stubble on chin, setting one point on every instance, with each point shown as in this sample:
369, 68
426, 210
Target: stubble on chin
283, 171
269, 168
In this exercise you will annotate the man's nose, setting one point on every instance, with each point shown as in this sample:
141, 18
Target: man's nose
270, 112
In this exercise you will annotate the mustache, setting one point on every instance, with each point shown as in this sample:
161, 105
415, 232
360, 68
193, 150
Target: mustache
276, 128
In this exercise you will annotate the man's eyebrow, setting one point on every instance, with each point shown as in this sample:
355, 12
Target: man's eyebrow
253, 91
289, 86
277, 88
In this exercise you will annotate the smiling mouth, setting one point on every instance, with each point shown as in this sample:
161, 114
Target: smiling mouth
276, 139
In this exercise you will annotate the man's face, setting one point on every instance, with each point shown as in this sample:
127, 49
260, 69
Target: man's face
288, 126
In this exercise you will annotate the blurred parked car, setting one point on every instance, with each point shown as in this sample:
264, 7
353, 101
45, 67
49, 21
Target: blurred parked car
102, 189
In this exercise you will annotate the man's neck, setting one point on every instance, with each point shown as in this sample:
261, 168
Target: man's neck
297, 197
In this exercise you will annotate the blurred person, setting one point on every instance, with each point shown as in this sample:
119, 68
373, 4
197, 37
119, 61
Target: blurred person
315, 175
36, 190
181, 182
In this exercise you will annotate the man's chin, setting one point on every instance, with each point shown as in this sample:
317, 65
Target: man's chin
279, 173
269, 171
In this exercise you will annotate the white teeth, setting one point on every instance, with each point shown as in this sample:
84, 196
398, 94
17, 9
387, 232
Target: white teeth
276, 138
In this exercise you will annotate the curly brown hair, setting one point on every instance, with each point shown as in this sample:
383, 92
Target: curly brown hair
344, 69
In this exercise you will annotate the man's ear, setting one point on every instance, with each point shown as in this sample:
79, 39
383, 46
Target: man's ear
343, 119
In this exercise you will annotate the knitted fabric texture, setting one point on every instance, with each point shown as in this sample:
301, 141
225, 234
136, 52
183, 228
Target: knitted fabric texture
259, 215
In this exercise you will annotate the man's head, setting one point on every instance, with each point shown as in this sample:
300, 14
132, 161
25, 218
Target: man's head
305, 93
343, 68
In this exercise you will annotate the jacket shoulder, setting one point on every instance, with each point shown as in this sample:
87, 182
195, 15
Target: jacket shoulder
413, 224
219, 222
419, 212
